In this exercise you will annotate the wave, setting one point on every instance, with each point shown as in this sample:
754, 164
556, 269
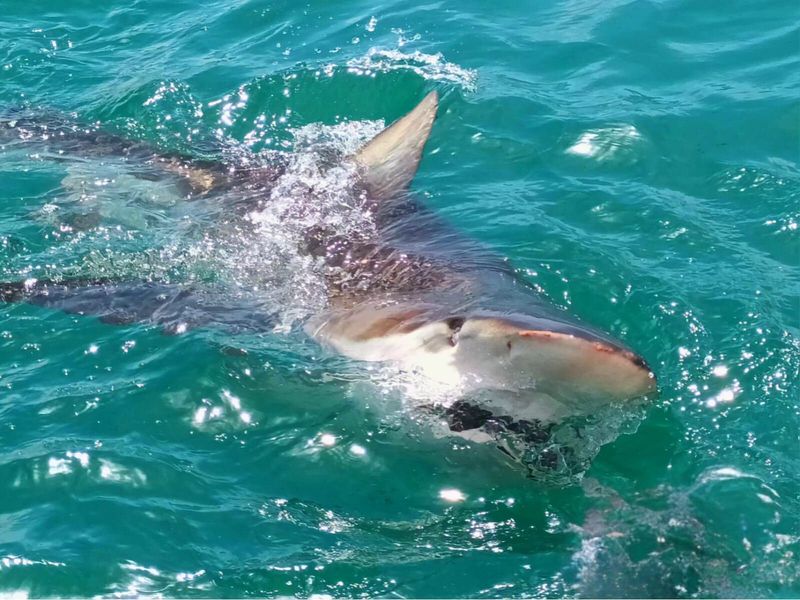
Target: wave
431, 67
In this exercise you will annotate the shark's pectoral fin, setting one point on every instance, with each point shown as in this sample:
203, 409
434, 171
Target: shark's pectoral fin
175, 307
58, 138
113, 302
389, 161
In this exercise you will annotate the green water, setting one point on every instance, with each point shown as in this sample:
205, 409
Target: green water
635, 160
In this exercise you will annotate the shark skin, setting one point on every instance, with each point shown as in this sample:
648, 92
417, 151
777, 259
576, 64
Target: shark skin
410, 291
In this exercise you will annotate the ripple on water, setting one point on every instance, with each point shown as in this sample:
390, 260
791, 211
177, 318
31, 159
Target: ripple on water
70, 468
678, 542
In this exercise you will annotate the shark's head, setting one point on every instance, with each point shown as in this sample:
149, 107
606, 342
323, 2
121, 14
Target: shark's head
480, 350
548, 393
558, 358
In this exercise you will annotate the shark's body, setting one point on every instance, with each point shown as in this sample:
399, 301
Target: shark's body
407, 289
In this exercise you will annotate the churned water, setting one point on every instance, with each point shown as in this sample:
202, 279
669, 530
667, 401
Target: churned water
635, 160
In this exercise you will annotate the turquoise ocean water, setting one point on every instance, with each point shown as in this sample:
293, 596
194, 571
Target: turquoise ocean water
636, 160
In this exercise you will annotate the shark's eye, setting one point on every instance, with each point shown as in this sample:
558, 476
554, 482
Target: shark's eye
455, 323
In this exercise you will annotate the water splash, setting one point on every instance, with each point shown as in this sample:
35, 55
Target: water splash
314, 192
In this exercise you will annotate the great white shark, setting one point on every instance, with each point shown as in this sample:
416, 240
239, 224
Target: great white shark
400, 290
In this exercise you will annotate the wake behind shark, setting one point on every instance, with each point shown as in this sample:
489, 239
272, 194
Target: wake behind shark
396, 290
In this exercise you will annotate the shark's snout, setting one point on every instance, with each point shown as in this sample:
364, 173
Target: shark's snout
563, 360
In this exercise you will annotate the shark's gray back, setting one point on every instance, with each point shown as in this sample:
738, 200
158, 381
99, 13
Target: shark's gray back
394, 246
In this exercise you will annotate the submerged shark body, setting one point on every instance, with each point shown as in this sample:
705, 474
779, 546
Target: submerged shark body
403, 289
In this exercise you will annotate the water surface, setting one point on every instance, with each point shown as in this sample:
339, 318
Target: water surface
636, 161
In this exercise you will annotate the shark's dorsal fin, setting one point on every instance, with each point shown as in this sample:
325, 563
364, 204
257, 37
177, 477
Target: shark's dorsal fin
389, 160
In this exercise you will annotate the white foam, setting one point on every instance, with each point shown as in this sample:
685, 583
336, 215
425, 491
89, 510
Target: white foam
358, 450
606, 143
327, 439
452, 495
345, 137
314, 192
723, 473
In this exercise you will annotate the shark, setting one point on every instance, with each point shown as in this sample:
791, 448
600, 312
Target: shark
406, 288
